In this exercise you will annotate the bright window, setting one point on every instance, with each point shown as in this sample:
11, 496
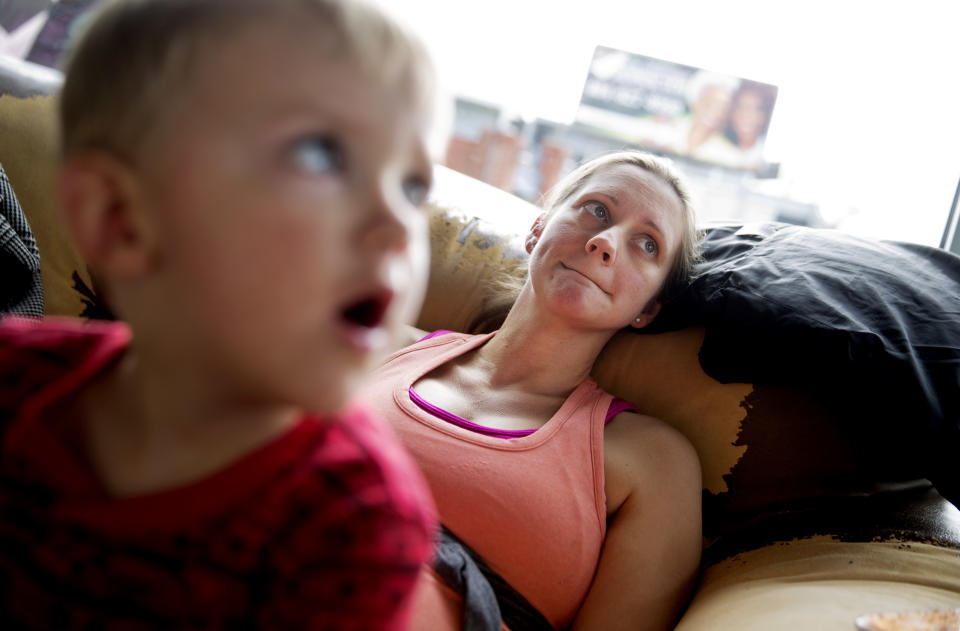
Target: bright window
866, 126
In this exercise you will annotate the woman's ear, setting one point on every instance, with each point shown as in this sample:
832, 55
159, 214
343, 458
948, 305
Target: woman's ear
535, 231
101, 200
647, 315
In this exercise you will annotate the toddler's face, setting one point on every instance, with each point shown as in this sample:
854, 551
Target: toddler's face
288, 192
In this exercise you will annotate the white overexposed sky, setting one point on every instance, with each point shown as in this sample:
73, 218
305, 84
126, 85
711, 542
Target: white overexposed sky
867, 120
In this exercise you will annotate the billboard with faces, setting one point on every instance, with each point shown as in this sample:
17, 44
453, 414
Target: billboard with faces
680, 109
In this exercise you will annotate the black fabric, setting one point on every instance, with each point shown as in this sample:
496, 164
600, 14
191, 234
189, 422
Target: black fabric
874, 325
21, 290
486, 596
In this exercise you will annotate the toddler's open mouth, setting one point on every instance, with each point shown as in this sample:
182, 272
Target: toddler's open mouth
362, 321
367, 312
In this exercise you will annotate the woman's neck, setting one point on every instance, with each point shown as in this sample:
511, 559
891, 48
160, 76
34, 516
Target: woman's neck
539, 354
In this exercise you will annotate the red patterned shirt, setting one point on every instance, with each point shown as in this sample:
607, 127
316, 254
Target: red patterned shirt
325, 527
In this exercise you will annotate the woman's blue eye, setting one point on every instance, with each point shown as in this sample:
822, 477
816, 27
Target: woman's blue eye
317, 154
416, 189
649, 245
597, 209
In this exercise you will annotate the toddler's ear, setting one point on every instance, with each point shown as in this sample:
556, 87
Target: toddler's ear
100, 197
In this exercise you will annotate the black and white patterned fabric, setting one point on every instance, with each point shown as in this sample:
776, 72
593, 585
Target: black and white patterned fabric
21, 290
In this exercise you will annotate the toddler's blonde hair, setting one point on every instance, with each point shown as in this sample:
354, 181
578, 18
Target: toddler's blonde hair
135, 56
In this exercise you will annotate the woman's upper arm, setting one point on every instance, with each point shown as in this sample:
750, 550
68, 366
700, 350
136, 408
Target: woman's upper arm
652, 550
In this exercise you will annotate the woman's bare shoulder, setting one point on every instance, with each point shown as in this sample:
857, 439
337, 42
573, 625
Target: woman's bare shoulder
643, 453
639, 434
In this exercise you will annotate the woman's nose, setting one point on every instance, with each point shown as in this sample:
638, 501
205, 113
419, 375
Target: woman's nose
603, 246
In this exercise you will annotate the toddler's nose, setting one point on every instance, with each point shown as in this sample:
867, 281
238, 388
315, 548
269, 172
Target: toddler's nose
391, 223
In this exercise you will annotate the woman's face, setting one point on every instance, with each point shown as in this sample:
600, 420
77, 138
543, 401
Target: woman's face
605, 252
748, 118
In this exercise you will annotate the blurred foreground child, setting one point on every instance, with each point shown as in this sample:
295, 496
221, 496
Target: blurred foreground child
244, 177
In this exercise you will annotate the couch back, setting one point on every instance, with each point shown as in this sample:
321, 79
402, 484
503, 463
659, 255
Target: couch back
777, 462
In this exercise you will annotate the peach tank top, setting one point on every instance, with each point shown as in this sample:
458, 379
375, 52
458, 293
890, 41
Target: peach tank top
533, 507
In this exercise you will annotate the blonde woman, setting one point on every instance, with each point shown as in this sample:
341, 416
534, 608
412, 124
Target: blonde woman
586, 507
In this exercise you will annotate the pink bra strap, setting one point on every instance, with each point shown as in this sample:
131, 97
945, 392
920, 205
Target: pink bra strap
436, 333
619, 405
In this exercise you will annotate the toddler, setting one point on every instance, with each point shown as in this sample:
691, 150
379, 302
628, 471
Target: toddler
244, 178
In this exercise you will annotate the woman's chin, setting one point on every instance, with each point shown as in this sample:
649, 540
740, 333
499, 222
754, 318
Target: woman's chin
586, 316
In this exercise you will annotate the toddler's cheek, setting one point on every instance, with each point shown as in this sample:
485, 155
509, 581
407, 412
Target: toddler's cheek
413, 270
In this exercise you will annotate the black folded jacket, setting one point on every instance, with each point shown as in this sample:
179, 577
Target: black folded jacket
873, 325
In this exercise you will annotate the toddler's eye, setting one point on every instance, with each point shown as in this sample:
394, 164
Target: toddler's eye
597, 209
416, 189
317, 154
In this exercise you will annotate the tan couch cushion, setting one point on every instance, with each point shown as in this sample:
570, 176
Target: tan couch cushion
822, 584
